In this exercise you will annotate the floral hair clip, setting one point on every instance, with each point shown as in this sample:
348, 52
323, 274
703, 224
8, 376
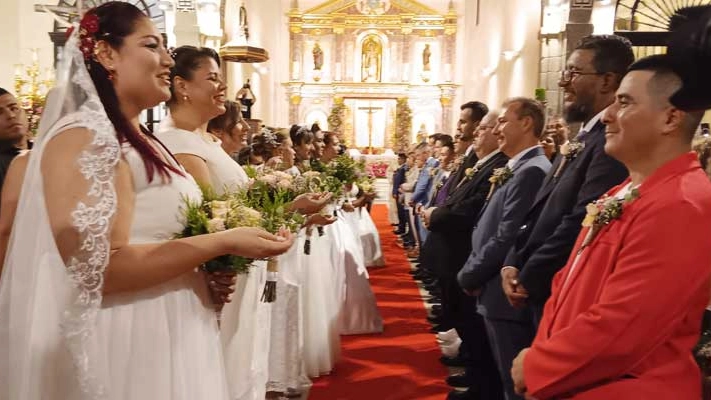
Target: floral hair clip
171, 52
269, 136
88, 27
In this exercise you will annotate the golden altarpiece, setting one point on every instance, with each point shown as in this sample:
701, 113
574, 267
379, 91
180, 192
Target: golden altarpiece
353, 61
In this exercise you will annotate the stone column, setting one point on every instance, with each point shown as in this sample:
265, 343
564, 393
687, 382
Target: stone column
293, 92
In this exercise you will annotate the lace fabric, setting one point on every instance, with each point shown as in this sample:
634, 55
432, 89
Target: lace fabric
48, 308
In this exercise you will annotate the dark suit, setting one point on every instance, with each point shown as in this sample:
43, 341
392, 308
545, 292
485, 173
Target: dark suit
492, 237
468, 162
553, 222
447, 247
399, 179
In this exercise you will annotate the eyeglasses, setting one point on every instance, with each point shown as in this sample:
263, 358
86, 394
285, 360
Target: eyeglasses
569, 74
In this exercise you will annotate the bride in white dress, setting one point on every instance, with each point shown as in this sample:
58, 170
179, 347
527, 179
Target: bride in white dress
198, 96
359, 310
95, 300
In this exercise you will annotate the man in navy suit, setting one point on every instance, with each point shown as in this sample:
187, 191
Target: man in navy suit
592, 75
512, 191
399, 179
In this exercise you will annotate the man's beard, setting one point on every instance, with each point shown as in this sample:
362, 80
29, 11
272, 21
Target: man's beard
577, 112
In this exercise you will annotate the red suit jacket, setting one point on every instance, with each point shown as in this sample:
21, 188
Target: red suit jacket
624, 325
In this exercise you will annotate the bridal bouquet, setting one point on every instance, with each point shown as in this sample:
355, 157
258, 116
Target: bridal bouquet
215, 214
270, 192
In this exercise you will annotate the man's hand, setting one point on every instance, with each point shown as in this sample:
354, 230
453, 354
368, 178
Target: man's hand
473, 292
517, 372
427, 215
515, 292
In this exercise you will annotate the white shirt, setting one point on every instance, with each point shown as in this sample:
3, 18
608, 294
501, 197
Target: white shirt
469, 150
486, 158
594, 120
515, 159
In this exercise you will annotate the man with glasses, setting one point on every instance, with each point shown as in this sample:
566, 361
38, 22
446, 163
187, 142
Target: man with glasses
580, 175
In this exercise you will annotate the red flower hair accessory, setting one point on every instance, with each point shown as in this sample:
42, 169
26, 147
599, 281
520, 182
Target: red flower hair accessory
88, 27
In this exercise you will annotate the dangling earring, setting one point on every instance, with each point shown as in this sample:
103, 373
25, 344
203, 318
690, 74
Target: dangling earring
185, 98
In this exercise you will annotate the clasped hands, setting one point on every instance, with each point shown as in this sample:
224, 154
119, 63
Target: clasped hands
513, 289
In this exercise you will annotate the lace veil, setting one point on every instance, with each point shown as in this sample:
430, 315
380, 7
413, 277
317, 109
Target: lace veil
48, 309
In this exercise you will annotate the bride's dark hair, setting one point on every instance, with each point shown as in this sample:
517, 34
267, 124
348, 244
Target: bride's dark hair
116, 21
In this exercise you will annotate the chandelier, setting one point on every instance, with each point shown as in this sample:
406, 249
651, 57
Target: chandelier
31, 89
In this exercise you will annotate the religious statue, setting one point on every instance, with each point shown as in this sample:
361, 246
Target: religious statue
426, 53
318, 57
371, 60
243, 27
422, 134
246, 98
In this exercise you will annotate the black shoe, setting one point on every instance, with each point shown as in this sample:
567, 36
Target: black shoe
432, 286
434, 300
435, 320
459, 380
452, 361
437, 308
463, 395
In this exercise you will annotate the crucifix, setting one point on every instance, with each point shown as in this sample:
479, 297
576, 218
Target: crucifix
370, 110
64, 15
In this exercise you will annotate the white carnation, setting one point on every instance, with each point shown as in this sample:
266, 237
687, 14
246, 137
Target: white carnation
216, 225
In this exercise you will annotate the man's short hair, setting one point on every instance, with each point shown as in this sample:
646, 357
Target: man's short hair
3, 92
401, 155
612, 53
445, 139
449, 145
662, 85
434, 136
421, 146
530, 108
478, 108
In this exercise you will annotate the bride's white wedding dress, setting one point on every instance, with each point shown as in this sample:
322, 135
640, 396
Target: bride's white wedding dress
157, 343
246, 320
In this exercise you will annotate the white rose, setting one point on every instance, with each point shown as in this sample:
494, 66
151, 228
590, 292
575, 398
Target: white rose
216, 225
268, 179
284, 184
219, 209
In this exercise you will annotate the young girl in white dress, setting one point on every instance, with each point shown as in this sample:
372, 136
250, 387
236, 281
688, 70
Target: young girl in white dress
96, 301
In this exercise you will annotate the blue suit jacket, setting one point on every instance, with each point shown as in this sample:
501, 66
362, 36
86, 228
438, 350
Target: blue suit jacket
424, 182
495, 234
399, 178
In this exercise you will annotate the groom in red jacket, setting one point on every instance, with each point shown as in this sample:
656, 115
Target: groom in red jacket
625, 311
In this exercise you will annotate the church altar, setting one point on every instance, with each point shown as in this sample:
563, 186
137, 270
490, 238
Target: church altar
363, 69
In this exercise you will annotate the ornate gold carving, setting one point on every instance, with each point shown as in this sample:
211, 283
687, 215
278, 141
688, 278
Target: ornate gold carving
295, 99
244, 54
371, 59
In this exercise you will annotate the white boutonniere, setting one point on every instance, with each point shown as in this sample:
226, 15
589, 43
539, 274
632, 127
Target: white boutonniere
569, 150
498, 178
602, 212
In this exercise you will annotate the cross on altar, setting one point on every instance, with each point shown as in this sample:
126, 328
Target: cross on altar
370, 110
64, 15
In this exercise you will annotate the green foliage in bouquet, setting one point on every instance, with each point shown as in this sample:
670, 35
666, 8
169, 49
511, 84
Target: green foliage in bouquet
215, 214
271, 192
343, 168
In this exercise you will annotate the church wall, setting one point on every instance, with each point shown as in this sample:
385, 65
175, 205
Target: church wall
483, 70
22, 29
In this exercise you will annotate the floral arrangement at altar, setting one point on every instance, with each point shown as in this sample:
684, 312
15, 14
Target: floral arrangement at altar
403, 126
378, 169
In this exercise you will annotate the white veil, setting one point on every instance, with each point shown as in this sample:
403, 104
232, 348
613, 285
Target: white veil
48, 309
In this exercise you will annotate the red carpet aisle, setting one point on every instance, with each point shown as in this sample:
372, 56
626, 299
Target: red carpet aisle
400, 364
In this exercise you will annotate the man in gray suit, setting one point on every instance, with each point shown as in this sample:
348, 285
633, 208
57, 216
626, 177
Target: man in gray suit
513, 189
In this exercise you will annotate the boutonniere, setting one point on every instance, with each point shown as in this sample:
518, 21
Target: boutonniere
469, 172
602, 212
569, 150
498, 178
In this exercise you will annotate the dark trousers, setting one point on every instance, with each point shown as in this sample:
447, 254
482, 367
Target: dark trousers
507, 339
481, 366
401, 216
